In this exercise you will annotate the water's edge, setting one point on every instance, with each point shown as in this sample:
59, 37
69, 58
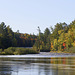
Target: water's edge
42, 54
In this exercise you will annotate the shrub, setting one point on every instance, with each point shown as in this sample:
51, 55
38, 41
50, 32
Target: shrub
18, 51
70, 50
8, 52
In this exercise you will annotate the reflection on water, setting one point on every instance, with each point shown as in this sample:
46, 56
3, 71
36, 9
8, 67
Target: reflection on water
37, 66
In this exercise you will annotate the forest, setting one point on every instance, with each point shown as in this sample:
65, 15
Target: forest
61, 38
15, 42
8, 38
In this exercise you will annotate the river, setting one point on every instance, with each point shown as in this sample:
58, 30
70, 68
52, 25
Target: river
38, 64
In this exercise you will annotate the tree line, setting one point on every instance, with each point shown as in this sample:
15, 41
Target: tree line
8, 38
59, 38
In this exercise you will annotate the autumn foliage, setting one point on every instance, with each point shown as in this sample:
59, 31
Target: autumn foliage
59, 38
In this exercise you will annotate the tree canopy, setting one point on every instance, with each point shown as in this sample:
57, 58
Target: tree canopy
8, 38
62, 38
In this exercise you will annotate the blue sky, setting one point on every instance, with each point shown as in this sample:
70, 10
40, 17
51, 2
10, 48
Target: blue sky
27, 15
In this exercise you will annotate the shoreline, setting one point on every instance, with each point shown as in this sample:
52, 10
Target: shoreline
41, 55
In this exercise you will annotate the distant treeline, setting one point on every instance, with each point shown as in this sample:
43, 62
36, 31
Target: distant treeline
8, 38
59, 38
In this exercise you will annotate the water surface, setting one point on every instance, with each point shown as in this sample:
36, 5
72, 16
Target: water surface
33, 65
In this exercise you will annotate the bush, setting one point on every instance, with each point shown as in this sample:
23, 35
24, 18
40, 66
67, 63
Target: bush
70, 50
8, 52
18, 51
2, 53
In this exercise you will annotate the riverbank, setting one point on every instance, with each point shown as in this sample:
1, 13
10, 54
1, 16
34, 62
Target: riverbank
56, 54
18, 51
23, 51
41, 55
69, 50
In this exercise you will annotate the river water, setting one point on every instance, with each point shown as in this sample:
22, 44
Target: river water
36, 64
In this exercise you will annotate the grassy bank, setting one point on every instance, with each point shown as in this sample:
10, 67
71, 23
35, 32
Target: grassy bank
22, 51
18, 51
70, 50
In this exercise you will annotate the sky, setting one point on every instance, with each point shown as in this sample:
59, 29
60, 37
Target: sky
27, 15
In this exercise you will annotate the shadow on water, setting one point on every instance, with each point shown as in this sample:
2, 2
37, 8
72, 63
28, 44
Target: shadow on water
37, 66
